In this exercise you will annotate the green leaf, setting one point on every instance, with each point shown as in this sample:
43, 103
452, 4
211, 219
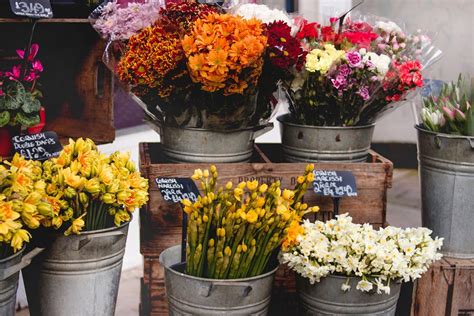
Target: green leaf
27, 120
4, 118
31, 104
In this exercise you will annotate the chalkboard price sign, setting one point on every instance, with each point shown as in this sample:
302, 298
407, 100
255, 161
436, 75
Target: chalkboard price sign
334, 183
36, 9
174, 190
41, 146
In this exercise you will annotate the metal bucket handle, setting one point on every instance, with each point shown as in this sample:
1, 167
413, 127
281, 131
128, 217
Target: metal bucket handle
471, 142
438, 142
262, 129
25, 261
206, 288
87, 238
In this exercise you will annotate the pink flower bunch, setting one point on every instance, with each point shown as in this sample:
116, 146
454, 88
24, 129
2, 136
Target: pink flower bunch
33, 69
119, 21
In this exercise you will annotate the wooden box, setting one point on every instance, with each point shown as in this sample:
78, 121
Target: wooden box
76, 85
446, 289
161, 222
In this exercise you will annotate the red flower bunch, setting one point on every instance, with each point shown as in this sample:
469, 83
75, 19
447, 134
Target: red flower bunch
308, 30
360, 39
285, 51
403, 77
181, 15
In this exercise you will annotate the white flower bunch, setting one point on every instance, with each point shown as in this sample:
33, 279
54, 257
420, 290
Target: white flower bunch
265, 14
389, 27
378, 256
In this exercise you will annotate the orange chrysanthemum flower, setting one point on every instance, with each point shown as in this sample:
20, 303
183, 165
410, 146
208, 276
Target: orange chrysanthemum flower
225, 52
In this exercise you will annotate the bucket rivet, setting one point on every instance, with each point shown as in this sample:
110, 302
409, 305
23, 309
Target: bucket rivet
437, 142
338, 138
300, 135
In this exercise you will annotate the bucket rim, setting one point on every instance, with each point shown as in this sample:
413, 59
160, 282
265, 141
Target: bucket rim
207, 130
257, 277
284, 119
13, 256
89, 232
421, 128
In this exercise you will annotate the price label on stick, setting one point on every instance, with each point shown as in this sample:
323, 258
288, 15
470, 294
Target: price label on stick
174, 190
334, 183
41, 146
36, 9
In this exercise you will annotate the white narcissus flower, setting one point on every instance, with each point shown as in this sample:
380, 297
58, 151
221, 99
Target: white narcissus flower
340, 246
364, 286
345, 287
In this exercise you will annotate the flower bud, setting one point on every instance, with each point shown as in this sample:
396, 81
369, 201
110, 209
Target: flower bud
83, 198
228, 185
45, 209
70, 193
108, 198
92, 186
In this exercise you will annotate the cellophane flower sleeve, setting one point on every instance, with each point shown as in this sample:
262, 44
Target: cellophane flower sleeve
187, 64
357, 70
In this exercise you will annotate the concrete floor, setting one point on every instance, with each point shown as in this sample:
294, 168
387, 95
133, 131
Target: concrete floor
403, 209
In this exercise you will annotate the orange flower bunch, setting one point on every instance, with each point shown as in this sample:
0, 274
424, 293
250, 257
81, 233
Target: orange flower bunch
225, 52
151, 55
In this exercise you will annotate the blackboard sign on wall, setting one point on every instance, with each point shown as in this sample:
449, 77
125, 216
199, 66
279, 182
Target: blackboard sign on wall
41, 146
36, 9
174, 190
334, 183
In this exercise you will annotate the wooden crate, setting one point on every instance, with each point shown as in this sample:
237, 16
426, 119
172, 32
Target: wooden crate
446, 289
76, 85
161, 222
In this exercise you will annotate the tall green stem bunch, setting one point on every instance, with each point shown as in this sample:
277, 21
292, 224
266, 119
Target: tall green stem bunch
233, 232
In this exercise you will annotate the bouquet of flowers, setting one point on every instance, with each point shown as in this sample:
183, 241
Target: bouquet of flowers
95, 191
355, 70
24, 203
450, 111
189, 64
233, 232
378, 257
19, 104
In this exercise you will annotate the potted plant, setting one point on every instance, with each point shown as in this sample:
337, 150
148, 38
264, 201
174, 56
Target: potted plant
205, 98
19, 103
354, 71
23, 205
446, 159
346, 268
86, 236
233, 237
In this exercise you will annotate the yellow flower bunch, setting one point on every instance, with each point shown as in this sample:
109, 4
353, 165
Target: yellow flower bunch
321, 59
234, 231
24, 203
95, 190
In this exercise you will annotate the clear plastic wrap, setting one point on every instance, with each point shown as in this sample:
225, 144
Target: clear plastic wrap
358, 70
184, 67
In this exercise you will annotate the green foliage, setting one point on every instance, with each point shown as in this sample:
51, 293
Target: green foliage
18, 106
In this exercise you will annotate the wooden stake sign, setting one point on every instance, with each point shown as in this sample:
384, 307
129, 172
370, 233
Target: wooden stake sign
174, 190
336, 184
41, 146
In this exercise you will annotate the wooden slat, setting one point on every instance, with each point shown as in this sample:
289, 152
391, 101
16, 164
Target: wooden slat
446, 289
160, 222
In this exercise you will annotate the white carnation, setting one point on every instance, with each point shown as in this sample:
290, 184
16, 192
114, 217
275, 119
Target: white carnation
388, 27
364, 286
380, 62
265, 14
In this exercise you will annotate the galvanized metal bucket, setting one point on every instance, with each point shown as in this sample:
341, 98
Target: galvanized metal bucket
197, 145
188, 295
77, 275
327, 298
305, 143
446, 165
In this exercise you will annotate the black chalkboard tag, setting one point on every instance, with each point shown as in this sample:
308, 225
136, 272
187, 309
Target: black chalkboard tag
36, 9
174, 190
334, 183
41, 146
